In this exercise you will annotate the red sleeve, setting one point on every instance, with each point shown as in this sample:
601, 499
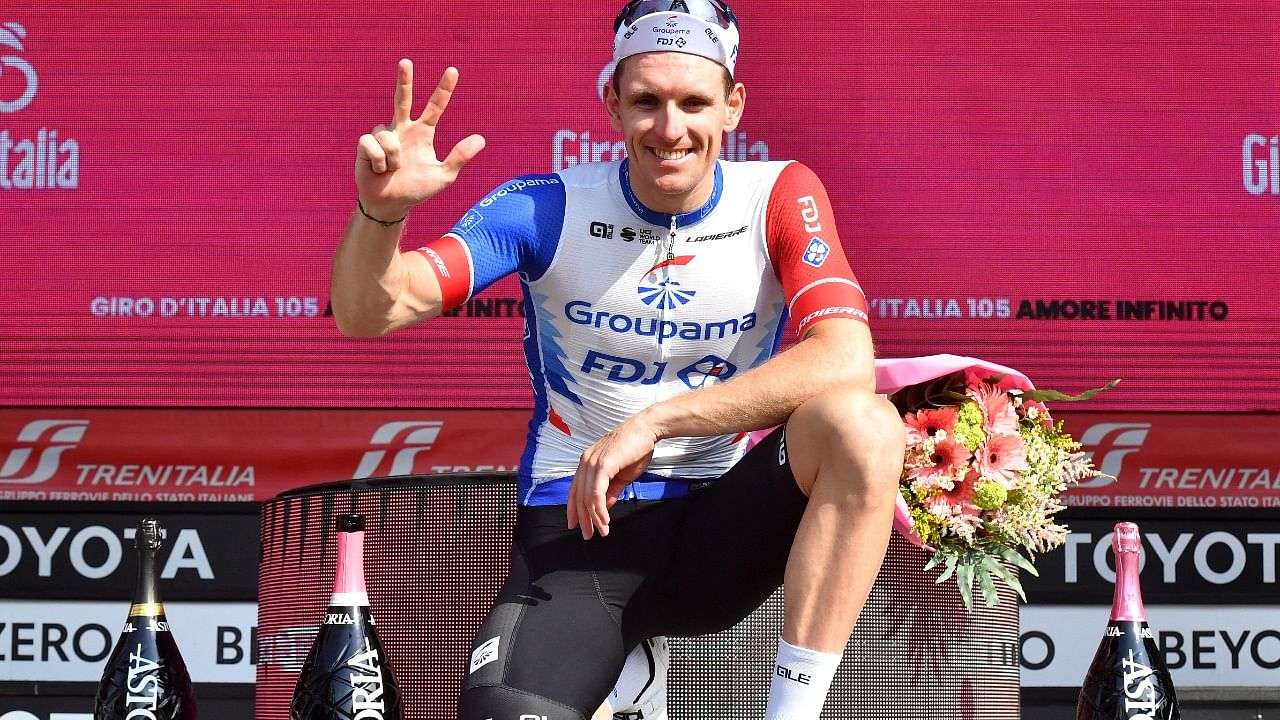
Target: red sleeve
806, 252
449, 260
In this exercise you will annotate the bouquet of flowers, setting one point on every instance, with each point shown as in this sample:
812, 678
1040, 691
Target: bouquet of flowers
984, 465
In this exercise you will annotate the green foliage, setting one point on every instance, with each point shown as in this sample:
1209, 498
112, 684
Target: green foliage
983, 566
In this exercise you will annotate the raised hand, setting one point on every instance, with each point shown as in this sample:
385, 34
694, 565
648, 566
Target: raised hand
396, 164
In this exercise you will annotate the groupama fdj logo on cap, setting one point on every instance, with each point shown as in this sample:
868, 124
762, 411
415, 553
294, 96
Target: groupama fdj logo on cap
707, 28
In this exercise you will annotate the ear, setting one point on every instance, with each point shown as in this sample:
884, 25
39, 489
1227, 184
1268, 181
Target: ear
613, 106
735, 104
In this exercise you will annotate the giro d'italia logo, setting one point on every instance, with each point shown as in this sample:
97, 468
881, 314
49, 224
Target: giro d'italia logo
665, 293
11, 36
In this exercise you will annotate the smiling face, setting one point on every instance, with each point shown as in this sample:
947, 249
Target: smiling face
672, 111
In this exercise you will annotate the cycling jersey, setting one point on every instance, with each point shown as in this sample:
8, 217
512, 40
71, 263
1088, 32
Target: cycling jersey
625, 306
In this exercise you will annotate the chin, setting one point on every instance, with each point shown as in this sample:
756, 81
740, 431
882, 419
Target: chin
675, 185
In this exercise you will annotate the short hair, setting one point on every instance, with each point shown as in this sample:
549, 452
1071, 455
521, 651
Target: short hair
617, 78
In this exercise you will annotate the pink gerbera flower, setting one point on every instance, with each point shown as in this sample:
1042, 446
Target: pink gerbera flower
1000, 458
924, 424
998, 415
948, 455
959, 498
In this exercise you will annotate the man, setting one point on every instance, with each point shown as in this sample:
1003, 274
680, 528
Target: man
652, 354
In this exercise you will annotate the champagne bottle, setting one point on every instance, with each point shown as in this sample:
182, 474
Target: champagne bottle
1128, 679
346, 675
145, 677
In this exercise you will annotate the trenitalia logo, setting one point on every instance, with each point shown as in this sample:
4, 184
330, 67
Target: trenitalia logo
51, 438
405, 439
1112, 442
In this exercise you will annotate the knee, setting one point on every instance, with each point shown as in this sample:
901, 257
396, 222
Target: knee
856, 432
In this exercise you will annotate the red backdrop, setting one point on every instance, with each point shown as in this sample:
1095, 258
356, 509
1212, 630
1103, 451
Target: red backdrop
1041, 184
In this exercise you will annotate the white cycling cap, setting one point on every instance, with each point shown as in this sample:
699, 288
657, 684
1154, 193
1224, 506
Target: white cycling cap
707, 28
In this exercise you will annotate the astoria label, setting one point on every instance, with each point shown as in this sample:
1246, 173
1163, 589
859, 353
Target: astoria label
366, 682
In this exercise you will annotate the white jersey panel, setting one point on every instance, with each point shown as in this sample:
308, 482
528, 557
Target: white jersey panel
636, 317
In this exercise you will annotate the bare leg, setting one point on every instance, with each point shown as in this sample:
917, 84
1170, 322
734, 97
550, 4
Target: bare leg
846, 449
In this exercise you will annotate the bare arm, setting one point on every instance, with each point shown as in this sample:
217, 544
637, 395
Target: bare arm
833, 352
836, 351
375, 288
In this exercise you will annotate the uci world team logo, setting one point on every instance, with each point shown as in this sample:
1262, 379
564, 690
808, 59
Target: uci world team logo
665, 293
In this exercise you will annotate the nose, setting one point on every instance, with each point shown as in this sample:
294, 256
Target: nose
669, 123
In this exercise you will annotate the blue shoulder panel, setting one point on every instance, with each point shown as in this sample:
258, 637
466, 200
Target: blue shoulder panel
515, 228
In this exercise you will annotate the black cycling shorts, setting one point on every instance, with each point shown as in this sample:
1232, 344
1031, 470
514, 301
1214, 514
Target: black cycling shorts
570, 610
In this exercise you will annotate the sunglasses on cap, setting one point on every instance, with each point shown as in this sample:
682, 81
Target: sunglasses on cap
712, 11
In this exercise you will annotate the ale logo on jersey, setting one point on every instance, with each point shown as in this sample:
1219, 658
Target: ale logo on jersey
403, 441
41, 443
665, 293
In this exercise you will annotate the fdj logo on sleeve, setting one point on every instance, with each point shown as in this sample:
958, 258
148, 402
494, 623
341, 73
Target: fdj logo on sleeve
628, 371
817, 252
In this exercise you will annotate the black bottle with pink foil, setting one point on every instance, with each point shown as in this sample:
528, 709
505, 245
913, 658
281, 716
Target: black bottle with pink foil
346, 675
1128, 679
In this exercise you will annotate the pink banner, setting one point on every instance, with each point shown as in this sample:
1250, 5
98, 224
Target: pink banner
1076, 190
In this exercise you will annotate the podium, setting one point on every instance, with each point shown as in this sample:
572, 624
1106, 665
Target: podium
436, 552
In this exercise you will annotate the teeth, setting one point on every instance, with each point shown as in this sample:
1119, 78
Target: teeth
671, 154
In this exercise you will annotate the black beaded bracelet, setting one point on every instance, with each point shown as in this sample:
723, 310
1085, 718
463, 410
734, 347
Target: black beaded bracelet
383, 223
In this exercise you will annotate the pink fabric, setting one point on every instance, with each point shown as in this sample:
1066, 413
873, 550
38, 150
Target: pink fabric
896, 373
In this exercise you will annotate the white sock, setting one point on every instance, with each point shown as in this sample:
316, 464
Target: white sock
801, 679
